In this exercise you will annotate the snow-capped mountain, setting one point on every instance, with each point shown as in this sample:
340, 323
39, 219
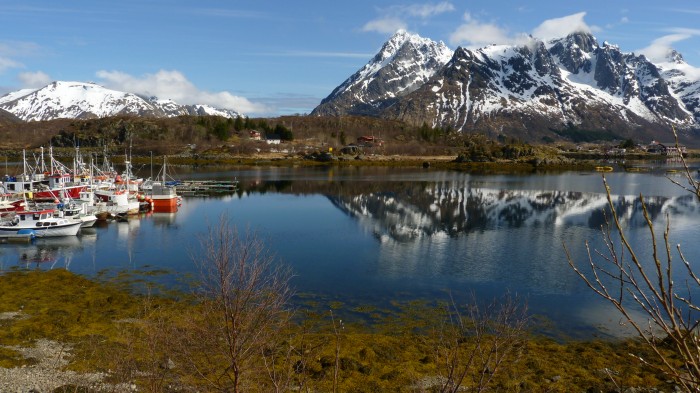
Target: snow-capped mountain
684, 81
529, 91
404, 63
78, 100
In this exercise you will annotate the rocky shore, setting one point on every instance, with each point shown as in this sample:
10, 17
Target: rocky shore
47, 373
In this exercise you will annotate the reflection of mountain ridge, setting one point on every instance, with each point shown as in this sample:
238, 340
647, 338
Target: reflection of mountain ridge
454, 210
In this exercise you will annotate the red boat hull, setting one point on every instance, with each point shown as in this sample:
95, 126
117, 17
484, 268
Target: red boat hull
164, 205
72, 192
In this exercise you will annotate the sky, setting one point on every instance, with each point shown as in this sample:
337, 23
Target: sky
273, 58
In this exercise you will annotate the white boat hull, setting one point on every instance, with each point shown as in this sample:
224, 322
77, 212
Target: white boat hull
69, 229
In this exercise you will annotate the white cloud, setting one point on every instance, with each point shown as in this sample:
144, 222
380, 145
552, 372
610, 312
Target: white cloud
660, 48
561, 27
425, 11
34, 80
398, 17
7, 63
9, 51
474, 33
175, 86
385, 25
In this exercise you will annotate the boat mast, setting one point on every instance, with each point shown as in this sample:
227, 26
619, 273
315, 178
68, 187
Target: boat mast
50, 158
24, 164
43, 163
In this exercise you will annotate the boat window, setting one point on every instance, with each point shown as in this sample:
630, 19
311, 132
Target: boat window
53, 224
36, 216
11, 187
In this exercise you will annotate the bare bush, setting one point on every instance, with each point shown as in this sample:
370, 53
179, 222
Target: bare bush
618, 274
241, 311
476, 343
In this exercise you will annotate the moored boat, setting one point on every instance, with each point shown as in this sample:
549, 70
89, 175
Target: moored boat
43, 223
43, 183
163, 196
77, 212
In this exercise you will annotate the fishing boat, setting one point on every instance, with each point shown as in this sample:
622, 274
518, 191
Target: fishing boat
78, 212
162, 194
12, 202
42, 223
43, 183
119, 200
115, 203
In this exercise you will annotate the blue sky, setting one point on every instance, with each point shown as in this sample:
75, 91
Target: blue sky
270, 58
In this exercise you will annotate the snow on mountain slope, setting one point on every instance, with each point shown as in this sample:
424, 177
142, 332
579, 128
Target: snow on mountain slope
684, 81
526, 91
404, 63
78, 100
15, 95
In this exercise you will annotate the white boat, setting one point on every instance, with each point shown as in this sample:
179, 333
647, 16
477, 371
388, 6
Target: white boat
77, 212
116, 203
41, 223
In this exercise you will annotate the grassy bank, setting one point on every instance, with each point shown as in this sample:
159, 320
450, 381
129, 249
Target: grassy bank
137, 339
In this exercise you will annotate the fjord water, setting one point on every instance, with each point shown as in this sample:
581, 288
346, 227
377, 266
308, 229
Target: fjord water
372, 236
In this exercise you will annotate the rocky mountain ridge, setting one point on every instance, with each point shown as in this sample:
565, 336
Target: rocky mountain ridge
533, 91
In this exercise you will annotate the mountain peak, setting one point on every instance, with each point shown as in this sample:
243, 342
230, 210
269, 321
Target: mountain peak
585, 41
405, 62
530, 90
87, 100
675, 57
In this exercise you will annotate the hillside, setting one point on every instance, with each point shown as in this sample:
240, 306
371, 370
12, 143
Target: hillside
173, 135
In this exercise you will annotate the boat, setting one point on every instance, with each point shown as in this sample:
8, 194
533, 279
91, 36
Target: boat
114, 203
42, 223
118, 200
12, 202
163, 196
604, 169
43, 183
78, 212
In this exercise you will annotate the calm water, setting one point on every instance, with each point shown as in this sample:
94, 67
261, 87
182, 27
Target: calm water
374, 235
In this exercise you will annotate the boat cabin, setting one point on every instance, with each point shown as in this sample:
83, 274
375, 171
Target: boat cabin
37, 215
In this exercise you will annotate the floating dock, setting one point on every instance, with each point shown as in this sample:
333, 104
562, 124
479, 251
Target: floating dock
22, 235
190, 187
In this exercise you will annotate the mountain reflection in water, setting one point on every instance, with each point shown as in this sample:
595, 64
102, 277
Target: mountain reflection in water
377, 235
441, 211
